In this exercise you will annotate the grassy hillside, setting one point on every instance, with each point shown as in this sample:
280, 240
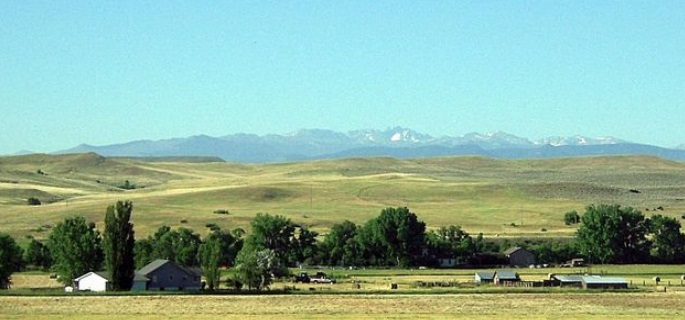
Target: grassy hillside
481, 194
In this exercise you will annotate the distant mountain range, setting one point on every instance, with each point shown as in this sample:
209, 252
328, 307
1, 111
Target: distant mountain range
313, 144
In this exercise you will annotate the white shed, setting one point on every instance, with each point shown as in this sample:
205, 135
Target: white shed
92, 281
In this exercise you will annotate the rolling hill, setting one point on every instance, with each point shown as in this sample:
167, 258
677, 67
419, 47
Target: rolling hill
493, 196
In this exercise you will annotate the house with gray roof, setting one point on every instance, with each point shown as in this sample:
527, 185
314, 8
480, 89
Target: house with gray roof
167, 275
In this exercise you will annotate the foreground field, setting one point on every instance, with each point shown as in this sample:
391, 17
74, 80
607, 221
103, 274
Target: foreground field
452, 306
496, 197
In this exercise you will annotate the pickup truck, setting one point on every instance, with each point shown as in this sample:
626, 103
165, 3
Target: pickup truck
319, 277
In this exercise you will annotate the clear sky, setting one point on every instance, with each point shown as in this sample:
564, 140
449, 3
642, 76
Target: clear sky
104, 72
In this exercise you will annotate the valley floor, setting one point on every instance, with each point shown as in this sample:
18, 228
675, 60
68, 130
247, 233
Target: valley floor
629, 305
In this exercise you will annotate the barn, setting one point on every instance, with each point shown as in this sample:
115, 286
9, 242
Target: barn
597, 282
167, 275
519, 257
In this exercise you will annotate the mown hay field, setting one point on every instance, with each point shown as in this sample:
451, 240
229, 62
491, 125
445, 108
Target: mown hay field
631, 305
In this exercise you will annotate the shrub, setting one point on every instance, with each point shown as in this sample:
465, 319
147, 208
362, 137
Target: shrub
221, 211
184, 221
33, 201
571, 217
127, 185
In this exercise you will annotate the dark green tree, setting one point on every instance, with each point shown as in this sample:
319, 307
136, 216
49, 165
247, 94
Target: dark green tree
10, 259
275, 233
256, 268
144, 252
210, 260
669, 242
38, 255
338, 243
402, 234
451, 242
186, 244
118, 244
571, 217
611, 234
180, 246
306, 246
33, 201
76, 248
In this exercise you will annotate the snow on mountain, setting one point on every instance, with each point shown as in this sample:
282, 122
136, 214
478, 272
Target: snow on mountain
391, 136
311, 144
578, 140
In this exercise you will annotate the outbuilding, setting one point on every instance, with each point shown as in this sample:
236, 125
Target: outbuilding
519, 257
92, 281
485, 277
167, 275
101, 281
597, 282
503, 277
571, 280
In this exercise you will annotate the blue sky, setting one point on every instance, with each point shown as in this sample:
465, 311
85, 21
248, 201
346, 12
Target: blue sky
104, 72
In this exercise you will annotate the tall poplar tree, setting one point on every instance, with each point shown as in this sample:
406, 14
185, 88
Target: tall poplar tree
118, 245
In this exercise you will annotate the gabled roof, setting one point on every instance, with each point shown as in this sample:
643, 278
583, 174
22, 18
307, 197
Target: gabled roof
487, 275
102, 275
507, 275
152, 266
107, 277
512, 250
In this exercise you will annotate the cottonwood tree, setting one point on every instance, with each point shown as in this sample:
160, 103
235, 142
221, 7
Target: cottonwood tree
669, 242
338, 245
38, 255
401, 233
611, 234
180, 246
118, 245
76, 248
10, 259
275, 233
256, 268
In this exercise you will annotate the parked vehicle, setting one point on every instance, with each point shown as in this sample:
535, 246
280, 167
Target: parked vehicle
319, 277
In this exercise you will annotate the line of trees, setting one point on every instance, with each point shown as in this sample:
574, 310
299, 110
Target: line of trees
395, 238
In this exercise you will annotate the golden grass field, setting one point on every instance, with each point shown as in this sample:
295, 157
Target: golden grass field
372, 300
480, 194
633, 305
